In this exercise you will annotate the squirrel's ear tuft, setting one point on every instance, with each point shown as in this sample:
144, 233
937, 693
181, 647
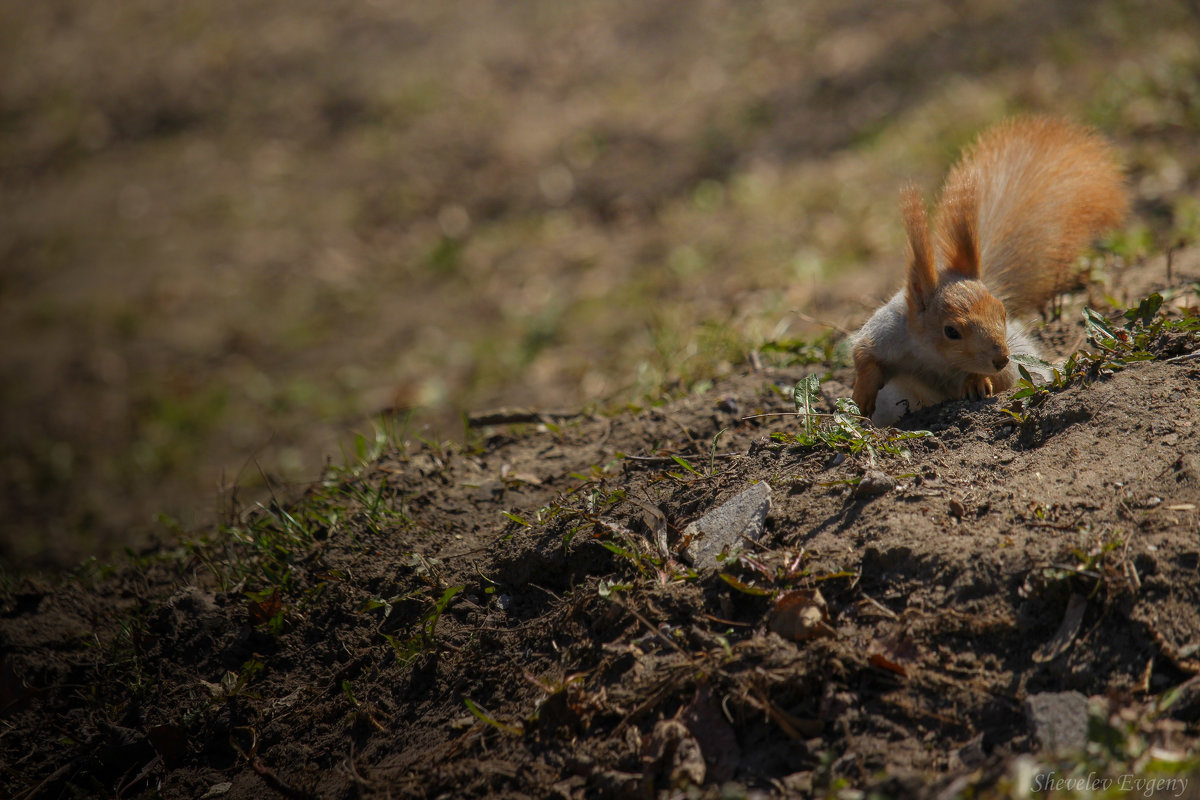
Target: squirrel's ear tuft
958, 223
922, 276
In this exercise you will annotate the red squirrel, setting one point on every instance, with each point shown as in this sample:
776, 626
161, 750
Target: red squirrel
1014, 214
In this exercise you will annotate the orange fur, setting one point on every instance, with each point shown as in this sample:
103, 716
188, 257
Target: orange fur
868, 380
922, 276
958, 230
1027, 197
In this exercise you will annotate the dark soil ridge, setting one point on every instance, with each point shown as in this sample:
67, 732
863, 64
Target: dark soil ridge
576, 662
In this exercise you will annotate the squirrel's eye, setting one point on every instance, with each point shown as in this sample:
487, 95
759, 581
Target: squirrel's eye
951, 332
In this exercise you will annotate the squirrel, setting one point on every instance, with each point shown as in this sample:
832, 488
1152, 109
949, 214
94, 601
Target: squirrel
1013, 216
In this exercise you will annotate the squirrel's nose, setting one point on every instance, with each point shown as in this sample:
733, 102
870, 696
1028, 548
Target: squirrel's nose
1000, 362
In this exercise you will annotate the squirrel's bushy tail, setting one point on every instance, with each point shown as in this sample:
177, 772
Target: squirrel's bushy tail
1023, 202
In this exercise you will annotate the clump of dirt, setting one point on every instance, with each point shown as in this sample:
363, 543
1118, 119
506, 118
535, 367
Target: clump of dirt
512, 618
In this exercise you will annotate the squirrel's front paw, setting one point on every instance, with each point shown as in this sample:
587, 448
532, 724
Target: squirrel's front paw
978, 387
868, 380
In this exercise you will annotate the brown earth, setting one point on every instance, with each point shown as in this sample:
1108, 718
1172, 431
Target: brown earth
234, 232
304, 653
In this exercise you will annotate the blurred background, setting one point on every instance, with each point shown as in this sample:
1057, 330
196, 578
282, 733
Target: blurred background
233, 231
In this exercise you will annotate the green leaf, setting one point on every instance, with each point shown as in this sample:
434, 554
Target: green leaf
848, 425
911, 435
681, 461
520, 521
447, 596
440, 606
616, 549
712, 452
805, 395
514, 730
608, 587
743, 587
1099, 329
847, 406
1030, 360
1145, 310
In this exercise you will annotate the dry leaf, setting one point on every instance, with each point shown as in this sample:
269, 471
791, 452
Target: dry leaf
1072, 619
800, 615
263, 610
895, 653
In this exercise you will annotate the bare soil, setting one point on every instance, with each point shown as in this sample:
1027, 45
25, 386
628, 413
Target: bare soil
573, 658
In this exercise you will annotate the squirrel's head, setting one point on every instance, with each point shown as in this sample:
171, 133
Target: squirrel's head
953, 312
966, 325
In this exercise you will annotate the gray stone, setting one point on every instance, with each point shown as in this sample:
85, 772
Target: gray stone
874, 483
726, 527
1059, 720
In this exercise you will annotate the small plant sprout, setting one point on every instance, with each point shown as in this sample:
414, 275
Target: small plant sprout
483, 716
712, 452
423, 640
845, 430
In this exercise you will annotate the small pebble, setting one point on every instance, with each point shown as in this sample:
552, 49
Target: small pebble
874, 483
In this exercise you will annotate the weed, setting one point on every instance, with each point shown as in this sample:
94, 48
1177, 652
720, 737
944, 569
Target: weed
608, 587
770, 573
845, 430
801, 352
123, 660
1147, 335
649, 562
1098, 567
524, 523
633, 549
388, 605
514, 730
423, 641
234, 684
681, 461
712, 452
1100, 562
388, 432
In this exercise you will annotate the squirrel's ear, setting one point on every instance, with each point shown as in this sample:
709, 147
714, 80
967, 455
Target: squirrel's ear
922, 277
958, 223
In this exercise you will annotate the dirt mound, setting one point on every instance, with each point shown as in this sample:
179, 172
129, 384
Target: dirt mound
513, 618
227, 248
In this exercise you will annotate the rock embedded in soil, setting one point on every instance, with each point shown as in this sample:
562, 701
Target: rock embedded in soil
1059, 720
874, 483
725, 528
